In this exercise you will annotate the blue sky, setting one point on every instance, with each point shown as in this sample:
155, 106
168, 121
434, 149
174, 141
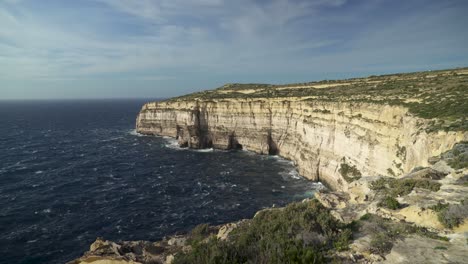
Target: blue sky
162, 48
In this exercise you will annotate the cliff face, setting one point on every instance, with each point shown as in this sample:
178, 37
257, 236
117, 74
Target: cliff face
325, 139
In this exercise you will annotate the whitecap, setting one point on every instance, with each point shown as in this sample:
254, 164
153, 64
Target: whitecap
47, 211
226, 172
204, 150
133, 132
294, 174
171, 143
318, 185
277, 157
39, 172
111, 139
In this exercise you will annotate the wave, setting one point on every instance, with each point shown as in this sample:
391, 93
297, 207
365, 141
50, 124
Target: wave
114, 138
317, 185
171, 143
133, 132
203, 150
294, 174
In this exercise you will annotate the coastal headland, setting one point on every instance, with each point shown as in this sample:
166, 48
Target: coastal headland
392, 150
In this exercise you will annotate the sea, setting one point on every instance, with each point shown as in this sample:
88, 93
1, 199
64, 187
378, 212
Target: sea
75, 170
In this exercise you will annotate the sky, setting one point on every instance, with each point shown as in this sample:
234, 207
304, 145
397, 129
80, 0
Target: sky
52, 49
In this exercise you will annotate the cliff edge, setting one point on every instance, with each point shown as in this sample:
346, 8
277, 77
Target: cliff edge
334, 131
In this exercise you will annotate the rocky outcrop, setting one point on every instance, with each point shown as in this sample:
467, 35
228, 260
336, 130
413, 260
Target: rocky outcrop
320, 137
132, 252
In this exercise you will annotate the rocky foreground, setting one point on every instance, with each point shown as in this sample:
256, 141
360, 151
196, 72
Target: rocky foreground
392, 149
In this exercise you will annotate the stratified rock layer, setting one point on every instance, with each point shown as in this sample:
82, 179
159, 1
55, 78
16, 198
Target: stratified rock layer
319, 136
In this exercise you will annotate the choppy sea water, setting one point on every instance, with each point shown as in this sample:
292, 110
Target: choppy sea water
71, 171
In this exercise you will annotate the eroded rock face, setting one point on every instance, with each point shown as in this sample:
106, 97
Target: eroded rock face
318, 136
132, 252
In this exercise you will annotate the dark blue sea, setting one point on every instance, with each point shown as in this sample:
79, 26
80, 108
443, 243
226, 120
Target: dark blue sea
71, 171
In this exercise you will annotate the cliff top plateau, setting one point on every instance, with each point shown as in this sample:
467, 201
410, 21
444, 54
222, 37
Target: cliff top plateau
437, 94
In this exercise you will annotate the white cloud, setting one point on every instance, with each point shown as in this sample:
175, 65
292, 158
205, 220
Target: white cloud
37, 47
207, 36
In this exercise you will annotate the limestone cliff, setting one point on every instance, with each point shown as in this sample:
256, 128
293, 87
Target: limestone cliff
322, 137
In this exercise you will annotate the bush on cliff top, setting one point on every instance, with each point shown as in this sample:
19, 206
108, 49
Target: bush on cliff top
298, 233
383, 232
451, 215
457, 157
390, 203
399, 187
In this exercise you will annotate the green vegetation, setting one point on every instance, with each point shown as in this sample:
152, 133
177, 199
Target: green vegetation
401, 152
457, 157
390, 171
437, 95
299, 233
390, 203
451, 215
399, 187
303, 232
440, 248
349, 173
199, 233
384, 232
323, 111
463, 180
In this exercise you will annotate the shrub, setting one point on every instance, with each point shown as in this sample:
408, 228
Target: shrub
457, 157
459, 162
384, 232
381, 243
365, 217
451, 215
440, 248
390, 203
343, 240
199, 233
400, 187
298, 233
349, 173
